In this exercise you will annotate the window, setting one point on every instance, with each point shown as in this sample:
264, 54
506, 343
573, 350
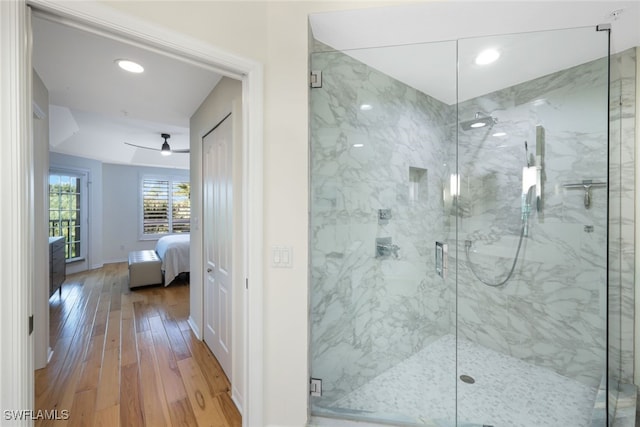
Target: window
67, 208
166, 207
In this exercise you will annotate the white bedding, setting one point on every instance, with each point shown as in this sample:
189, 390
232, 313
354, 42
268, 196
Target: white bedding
174, 253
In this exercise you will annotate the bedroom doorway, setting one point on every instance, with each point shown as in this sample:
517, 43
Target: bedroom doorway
104, 21
218, 214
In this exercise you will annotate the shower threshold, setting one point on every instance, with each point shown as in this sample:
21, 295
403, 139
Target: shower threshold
505, 392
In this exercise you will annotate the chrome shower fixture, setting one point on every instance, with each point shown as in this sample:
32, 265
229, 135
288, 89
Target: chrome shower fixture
478, 122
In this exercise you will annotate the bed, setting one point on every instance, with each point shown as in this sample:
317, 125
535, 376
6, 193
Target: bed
174, 252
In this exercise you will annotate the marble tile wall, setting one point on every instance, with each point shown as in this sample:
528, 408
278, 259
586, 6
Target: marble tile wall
368, 313
551, 312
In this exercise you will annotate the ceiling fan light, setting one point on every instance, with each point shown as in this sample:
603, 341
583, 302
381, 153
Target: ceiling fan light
166, 150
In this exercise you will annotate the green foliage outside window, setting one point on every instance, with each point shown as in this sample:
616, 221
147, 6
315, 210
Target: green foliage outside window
166, 206
64, 211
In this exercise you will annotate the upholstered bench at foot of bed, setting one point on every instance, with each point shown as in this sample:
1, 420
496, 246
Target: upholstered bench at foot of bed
144, 268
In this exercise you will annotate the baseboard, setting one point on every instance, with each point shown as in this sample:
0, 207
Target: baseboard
93, 267
236, 397
316, 421
114, 261
194, 327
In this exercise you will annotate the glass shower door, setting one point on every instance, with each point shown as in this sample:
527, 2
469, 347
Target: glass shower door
532, 229
382, 158
458, 239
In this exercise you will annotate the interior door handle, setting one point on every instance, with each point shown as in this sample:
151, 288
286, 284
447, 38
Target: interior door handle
209, 270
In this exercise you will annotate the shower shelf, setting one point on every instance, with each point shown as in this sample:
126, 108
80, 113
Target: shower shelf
586, 185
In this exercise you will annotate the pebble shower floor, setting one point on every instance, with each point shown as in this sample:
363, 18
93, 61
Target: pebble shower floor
507, 392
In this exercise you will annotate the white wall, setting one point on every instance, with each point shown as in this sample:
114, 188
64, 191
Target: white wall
120, 204
94, 254
113, 207
225, 98
274, 33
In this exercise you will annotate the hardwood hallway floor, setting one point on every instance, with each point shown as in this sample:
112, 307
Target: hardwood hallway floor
128, 358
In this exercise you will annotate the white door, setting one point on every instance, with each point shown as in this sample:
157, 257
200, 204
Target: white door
217, 228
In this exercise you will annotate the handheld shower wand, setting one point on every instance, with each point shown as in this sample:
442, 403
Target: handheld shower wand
529, 181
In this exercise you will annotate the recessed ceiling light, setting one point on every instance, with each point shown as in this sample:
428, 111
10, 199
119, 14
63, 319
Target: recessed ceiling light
487, 56
130, 66
366, 107
616, 14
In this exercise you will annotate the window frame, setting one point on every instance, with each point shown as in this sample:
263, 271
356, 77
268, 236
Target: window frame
172, 180
83, 220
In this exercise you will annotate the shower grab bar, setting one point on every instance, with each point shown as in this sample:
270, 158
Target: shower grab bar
586, 185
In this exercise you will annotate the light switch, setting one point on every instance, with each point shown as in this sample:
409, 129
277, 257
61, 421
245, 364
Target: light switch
281, 256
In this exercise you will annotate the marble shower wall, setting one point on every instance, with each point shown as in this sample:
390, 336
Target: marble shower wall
369, 313
552, 311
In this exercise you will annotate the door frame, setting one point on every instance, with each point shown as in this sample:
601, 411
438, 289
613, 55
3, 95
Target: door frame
15, 121
83, 263
17, 247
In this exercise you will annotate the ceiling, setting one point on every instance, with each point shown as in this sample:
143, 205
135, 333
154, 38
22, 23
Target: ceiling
95, 107
421, 51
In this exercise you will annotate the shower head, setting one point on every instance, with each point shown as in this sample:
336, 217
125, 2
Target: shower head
478, 122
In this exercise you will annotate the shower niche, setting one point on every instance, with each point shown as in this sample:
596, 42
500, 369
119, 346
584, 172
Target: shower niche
417, 184
504, 297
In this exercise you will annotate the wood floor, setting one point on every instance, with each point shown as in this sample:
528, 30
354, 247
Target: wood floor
128, 358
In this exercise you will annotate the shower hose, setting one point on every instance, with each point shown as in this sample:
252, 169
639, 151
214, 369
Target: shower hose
467, 247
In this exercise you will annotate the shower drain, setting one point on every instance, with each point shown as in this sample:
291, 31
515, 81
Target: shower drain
467, 379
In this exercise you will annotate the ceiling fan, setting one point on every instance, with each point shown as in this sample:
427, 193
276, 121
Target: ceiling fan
165, 150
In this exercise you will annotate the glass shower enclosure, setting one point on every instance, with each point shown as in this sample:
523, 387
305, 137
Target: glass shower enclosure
458, 241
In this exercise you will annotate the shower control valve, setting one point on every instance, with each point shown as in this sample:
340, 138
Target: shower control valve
384, 248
